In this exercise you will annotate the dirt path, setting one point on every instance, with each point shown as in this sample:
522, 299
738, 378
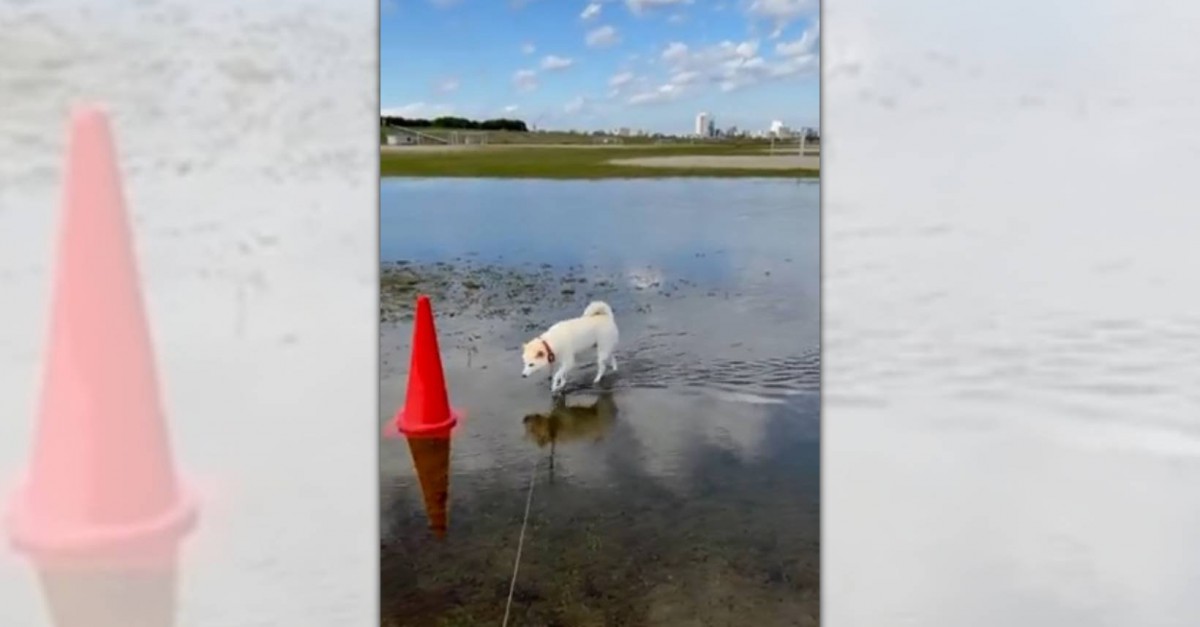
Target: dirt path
750, 162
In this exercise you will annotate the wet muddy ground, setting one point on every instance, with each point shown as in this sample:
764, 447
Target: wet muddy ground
684, 490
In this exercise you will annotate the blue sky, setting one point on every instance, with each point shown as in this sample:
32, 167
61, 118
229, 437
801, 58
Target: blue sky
578, 64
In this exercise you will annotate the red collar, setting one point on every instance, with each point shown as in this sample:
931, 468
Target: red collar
549, 351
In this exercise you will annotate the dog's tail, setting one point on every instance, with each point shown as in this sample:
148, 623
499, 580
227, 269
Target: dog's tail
598, 308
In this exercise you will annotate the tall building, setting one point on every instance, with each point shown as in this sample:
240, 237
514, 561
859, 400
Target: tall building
702, 124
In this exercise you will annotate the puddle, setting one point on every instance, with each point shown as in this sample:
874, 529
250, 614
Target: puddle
681, 491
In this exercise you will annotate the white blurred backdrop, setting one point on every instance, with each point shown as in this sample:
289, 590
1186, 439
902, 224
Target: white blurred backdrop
1011, 319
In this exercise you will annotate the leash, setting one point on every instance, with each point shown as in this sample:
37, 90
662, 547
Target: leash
512, 585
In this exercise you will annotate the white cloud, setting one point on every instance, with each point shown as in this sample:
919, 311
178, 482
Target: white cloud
675, 51
686, 77
621, 79
525, 80
637, 7
734, 65
792, 48
448, 85
619, 83
528, 48
729, 65
803, 64
782, 12
799, 56
678, 85
602, 37
417, 110
575, 105
809, 43
592, 10
510, 108
783, 9
664, 93
551, 62
725, 66
746, 49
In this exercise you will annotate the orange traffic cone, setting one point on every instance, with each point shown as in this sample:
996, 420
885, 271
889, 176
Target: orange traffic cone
101, 499
426, 411
431, 458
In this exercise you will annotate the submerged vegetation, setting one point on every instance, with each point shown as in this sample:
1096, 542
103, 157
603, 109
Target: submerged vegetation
495, 291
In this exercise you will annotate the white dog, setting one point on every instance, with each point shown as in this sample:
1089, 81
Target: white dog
563, 341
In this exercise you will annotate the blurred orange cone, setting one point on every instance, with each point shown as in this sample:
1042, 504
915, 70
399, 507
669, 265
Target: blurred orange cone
101, 502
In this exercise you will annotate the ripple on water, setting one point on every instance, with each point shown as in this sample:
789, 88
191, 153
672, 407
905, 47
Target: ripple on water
768, 380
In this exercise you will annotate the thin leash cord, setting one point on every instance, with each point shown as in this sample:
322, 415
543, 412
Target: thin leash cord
512, 586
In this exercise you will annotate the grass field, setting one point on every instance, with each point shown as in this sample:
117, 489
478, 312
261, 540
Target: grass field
578, 161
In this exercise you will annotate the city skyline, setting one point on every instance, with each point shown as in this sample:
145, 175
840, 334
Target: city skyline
643, 64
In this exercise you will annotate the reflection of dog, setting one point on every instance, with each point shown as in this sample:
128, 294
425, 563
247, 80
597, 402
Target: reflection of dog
564, 340
566, 422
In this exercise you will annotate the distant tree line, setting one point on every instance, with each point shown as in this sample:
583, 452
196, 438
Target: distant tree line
450, 122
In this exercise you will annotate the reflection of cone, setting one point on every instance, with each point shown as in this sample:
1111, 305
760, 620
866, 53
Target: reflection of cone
426, 410
101, 501
431, 457
108, 591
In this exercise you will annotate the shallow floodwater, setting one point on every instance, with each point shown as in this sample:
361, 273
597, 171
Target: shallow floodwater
683, 490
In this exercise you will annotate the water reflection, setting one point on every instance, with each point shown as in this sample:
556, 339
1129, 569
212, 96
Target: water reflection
569, 422
431, 460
